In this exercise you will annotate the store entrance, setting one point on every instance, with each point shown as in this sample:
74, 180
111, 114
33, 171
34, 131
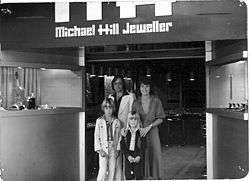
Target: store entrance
177, 71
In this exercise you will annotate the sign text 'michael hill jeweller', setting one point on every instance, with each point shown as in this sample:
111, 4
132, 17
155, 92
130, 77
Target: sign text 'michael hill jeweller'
112, 29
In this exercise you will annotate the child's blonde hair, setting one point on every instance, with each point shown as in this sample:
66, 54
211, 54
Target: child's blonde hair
108, 101
132, 113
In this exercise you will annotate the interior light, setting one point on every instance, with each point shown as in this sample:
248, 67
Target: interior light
101, 72
168, 77
244, 54
148, 72
92, 71
192, 76
128, 75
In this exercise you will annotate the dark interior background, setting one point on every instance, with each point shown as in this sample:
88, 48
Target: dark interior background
170, 66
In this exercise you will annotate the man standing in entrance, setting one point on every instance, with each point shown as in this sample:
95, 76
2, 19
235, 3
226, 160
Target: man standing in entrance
123, 104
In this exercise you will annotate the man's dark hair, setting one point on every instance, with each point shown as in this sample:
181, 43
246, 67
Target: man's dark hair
133, 112
123, 82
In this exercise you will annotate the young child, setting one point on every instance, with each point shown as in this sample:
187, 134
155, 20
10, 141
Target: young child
107, 134
132, 146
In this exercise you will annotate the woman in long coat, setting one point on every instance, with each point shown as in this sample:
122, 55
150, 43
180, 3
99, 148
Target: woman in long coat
151, 114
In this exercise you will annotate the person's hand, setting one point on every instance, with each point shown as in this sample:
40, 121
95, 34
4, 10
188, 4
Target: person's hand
137, 159
145, 130
103, 153
117, 153
124, 132
131, 159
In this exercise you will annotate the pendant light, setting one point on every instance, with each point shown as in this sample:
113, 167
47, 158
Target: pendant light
101, 72
148, 72
168, 77
192, 76
129, 75
92, 71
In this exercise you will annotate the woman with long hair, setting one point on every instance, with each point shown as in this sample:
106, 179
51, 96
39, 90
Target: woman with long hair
151, 114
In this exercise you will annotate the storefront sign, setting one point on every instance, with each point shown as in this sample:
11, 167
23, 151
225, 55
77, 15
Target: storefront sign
112, 29
178, 21
125, 9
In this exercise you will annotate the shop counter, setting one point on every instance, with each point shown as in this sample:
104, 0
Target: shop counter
227, 143
229, 113
40, 144
36, 112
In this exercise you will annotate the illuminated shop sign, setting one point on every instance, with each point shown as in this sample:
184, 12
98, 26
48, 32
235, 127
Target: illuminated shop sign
126, 10
150, 21
112, 29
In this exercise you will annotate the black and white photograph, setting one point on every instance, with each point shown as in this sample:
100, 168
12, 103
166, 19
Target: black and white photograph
124, 90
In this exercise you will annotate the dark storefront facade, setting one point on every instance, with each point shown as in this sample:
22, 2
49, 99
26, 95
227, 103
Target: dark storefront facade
192, 54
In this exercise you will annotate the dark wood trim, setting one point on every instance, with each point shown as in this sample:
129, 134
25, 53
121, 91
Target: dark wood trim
175, 53
147, 51
141, 59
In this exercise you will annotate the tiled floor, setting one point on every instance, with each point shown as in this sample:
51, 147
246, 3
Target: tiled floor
182, 162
